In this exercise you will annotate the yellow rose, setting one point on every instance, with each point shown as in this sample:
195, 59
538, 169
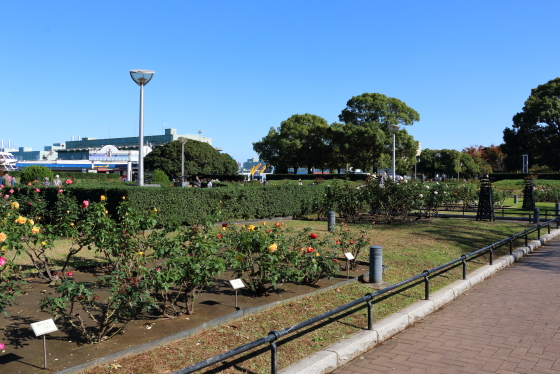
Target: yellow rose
31, 222
43, 243
124, 197
71, 223
317, 254
15, 205
264, 223
35, 230
272, 248
103, 198
4, 247
224, 228
140, 253
21, 220
251, 227
106, 211
67, 211
155, 210
3, 237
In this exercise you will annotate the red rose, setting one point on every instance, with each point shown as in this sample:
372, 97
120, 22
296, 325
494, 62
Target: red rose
351, 242
310, 249
277, 224
224, 224
313, 235
220, 236
335, 260
338, 242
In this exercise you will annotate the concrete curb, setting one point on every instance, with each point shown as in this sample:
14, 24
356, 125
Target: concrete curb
340, 353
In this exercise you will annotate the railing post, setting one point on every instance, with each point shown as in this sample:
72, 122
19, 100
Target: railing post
463, 259
492, 254
515, 199
427, 284
274, 353
510, 246
526, 242
548, 227
538, 231
369, 315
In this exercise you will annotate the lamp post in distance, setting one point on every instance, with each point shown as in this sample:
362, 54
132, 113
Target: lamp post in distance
141, 78
394, 129
183, 140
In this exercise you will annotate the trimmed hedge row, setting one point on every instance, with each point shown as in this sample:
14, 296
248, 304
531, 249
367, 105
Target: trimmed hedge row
351, 177
515, 176
192, 205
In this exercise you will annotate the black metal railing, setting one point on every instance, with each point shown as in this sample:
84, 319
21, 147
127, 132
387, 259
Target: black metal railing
274, 336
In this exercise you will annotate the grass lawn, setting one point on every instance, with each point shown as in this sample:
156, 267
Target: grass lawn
408, 249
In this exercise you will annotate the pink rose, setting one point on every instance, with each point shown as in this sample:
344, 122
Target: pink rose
6, 196
11, 191
60, 191
2, 261
2, 346
37, 190
85, 204
70, 273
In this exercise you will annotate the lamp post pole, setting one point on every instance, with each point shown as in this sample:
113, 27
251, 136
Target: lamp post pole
183, 140
394, 129
141, 78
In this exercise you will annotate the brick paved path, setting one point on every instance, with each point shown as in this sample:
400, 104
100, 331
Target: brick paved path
509, 323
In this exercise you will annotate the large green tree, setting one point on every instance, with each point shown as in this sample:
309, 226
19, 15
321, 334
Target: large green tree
536, 129
367, 118
300, 141
200, 159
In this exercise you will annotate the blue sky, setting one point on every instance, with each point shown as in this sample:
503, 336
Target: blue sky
236, 68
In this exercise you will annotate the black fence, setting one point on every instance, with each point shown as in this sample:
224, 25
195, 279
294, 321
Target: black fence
425, 276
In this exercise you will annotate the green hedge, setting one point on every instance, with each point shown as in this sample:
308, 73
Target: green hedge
75, 175
501, 176
352, 177
191, 205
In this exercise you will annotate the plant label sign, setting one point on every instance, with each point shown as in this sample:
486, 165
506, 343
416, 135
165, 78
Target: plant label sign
237, 283
349, 256
43, 327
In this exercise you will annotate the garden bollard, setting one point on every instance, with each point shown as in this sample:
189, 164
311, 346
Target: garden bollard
331, 221
375, 264
536, 215
557, 209
515, 199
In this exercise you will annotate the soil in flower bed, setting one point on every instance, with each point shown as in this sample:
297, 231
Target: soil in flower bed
24, 351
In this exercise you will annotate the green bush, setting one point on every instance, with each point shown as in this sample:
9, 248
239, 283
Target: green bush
35, 172
160, 177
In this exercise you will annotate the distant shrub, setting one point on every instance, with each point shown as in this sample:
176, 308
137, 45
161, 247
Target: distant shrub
160, 177
34, 172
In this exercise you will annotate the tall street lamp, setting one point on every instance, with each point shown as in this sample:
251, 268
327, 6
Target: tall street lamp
394, 129
183, 140
141, 78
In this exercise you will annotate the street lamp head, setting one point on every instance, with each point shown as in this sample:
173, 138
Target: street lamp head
394, 128
141, 77
182, 139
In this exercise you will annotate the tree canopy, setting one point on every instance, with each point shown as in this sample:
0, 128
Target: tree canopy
300, 141
200, 159
362, 140
536, 129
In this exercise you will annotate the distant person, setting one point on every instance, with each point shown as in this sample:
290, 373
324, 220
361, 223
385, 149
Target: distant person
196, 182
266, 182
209, 185
46, 182
300, 183
7, 179
56, 181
